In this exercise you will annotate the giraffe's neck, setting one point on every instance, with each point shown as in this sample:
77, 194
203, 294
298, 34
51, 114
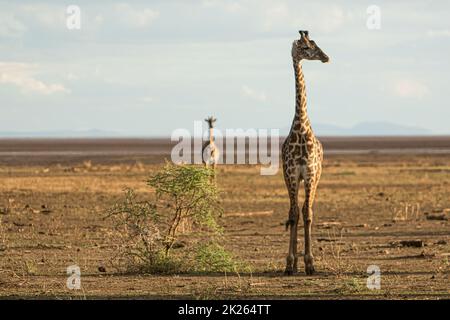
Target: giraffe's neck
211, 136
301, 121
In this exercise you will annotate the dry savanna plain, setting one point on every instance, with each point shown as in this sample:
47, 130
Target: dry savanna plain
381, 201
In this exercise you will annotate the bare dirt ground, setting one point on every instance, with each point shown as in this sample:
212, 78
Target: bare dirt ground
52, 209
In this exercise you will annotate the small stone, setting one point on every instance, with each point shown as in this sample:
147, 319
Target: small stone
441, 217
364, 225
412, 243
45, 209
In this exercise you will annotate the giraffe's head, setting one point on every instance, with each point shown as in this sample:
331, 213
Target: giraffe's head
210, 121
305, 48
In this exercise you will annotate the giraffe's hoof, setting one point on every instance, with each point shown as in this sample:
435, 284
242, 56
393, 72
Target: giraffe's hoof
309, 265
288, 272
309, 269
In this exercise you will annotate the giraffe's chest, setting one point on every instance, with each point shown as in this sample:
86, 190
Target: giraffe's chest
296, 145
301, 149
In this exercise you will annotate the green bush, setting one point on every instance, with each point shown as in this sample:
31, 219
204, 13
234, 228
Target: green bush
188, 195
212, 257
166, 234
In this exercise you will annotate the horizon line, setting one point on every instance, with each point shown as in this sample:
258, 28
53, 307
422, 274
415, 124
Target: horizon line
121, 137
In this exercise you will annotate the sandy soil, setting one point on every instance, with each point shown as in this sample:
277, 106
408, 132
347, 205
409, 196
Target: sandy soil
52, 210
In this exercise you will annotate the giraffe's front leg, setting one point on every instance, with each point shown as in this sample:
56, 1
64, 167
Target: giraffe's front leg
291, 179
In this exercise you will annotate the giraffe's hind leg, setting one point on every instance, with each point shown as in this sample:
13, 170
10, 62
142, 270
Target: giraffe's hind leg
307, 212
292, 223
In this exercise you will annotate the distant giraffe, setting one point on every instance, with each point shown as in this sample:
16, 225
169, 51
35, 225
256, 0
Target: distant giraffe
209, 150
302, 156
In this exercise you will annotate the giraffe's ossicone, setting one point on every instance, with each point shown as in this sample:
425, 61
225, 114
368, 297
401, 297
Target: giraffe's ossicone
302, 156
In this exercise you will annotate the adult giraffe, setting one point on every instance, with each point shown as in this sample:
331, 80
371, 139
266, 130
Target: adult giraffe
302, 156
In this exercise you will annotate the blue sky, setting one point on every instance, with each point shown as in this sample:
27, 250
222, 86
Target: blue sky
149, 67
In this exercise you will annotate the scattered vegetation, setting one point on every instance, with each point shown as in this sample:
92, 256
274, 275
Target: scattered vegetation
2, 236
214, 258
350, 286
74, 233
177, 229
333, 259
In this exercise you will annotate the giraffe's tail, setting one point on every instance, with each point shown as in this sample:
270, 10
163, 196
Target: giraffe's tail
289, 223
293, 217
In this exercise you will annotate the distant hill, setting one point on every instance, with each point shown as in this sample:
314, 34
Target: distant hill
89, 133
321, 129
368, 129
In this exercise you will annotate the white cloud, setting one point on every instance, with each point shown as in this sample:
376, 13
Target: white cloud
10, 27
99, 19
410, 88
439, 33
333, 18
229, 6
138, 18
71, 76
259, 96
275, 15
22, 76
50, 16
314, 16
323, 18
147, 99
